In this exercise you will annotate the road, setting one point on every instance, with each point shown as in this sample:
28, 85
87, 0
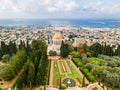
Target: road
50, 38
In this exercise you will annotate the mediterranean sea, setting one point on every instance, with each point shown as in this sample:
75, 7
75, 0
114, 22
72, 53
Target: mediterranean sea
62, 22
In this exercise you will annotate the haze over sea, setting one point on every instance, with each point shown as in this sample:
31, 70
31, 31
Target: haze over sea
65, 22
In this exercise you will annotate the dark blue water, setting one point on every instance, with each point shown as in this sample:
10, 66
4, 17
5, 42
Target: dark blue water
70, 22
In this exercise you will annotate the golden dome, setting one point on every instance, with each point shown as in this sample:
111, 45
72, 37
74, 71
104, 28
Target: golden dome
57, 36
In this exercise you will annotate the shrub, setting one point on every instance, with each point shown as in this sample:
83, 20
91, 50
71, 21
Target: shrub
76, 54
63, 86
6, 58
52, 53
91, 78
8, 73
89, 66
76, 60
79, 64
96, 60
88, 75
85, 70
78, 84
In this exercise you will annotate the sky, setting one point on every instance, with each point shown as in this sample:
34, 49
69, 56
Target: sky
65, 9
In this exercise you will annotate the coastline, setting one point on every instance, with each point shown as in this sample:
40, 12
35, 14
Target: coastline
62, 22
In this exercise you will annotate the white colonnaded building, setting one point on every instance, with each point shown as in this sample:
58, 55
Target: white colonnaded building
56, 43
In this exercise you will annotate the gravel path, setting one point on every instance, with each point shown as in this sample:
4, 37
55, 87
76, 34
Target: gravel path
91, 86
1, 63
51, 74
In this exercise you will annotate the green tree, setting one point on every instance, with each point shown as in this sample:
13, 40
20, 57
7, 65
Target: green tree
33, 65
75, 54
117, 51
97, 48
4, 48
21, 45
44, 87
31, 74
12, 48
113, 85
21, 81
1, 54
60, 85
83, 81
97, 70
89, 66
28, 48
6, 58
15, 65
109, 50
64, 49
52, 53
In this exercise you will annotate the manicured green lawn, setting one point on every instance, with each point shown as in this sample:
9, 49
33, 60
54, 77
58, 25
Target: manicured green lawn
56, 74
71, 72
68, 71
74, 74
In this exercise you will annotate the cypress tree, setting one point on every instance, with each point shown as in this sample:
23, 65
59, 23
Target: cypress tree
64, 49
31, 74
109, 50
0, 54
107, 88
34, 65
44, 87
97, 48
104, 51
60, 85
83, 81
30, 86
113, 86
117, 51
4, 48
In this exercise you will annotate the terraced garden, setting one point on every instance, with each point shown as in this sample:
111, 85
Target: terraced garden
65, 69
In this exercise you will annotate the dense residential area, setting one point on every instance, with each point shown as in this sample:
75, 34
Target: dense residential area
69, 33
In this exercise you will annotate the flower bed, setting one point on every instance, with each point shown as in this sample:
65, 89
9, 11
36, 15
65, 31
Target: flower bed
57, 82
78, 80
63, 66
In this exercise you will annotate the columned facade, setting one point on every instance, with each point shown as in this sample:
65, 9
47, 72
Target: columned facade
57, 39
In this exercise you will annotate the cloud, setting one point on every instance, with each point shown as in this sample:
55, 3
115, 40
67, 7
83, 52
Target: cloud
111, 9
101, 6
61, 5
59, 8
